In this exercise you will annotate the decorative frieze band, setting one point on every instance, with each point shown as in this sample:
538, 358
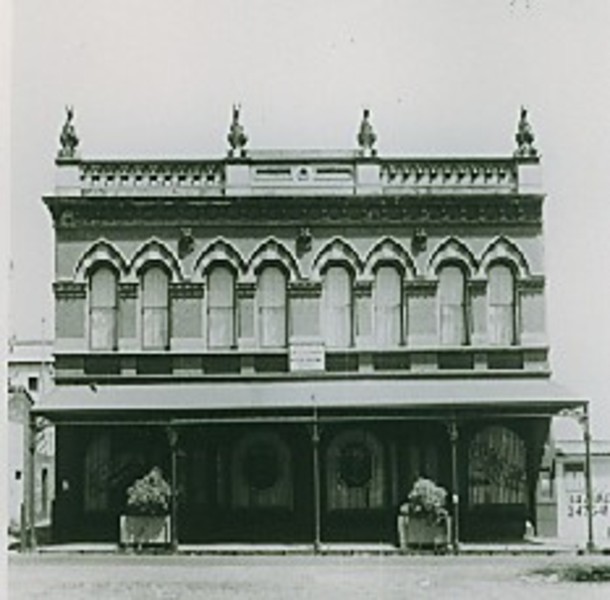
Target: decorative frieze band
186, 289
69, 290
128, 290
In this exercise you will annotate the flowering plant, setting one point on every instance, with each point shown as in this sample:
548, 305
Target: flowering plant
426, 500
149, 495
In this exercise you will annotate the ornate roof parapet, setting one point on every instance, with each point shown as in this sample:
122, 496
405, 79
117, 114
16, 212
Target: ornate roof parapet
237, 137
366, 135
525, 137
68, 139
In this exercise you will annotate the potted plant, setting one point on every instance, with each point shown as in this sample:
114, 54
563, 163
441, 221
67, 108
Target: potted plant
147, 521
423, 520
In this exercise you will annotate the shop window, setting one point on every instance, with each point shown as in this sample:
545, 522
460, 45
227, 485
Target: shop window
103, 309
387, 299
337, 308
97, 470
497, 467
355, 474
155, 309
501, 306
452, 301
221, 308
272, 313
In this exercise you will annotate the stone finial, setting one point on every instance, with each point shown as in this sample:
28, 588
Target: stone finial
366, 135
237, 137
525, 137
68, 139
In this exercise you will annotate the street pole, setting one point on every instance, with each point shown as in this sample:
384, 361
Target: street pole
589, 478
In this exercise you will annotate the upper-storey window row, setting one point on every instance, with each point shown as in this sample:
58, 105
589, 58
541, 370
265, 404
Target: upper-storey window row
355, 301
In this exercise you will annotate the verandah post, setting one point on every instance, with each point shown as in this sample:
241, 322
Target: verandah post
455, 494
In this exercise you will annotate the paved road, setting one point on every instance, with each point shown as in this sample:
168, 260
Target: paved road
121, 577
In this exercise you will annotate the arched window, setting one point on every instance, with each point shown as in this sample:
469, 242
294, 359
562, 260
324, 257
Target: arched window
387, 298
103, 309
155, 308
501, 297
497, 467
452, 300
337, 307
271, 302
221, 308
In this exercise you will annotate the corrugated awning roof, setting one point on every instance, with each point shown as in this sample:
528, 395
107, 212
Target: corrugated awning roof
171, 399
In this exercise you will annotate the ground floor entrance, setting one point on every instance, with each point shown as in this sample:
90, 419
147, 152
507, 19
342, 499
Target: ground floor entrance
296, 478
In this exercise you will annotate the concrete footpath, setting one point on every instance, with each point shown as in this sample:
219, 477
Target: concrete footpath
546, 546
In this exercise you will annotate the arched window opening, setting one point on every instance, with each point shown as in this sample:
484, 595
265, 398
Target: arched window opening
103, 309
155, 309
221, 308
452, 299
272, 312
497, 467
337, 307
501, 297
387, 298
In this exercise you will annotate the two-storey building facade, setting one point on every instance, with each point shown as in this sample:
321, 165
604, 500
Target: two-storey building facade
294, 337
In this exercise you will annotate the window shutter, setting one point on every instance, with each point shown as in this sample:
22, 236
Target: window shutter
271, 300
155, 309
388, 307
221, 308
452, 306
337, 302
103, 309
501, 306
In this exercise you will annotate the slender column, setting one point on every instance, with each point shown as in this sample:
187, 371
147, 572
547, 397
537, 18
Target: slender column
315, 445
584, 421
30, 481
172, 436
455, 490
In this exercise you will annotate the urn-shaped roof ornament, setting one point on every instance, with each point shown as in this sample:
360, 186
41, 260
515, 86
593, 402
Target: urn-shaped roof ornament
525, 137
237, 137
366, 135
68, 139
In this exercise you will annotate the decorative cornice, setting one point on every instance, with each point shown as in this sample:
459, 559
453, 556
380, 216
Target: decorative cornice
69, 290
128, 290
407, 210
186, 289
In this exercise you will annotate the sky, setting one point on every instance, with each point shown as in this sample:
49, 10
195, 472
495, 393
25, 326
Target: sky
157, 78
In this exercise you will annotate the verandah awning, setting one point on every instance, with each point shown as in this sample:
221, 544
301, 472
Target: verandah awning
170, 400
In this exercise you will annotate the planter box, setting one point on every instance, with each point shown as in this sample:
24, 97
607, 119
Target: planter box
418, 533
145, 530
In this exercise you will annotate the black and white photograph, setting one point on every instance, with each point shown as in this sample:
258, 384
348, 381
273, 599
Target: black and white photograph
306, 299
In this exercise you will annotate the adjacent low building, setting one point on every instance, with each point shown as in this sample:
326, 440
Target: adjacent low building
295, 337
